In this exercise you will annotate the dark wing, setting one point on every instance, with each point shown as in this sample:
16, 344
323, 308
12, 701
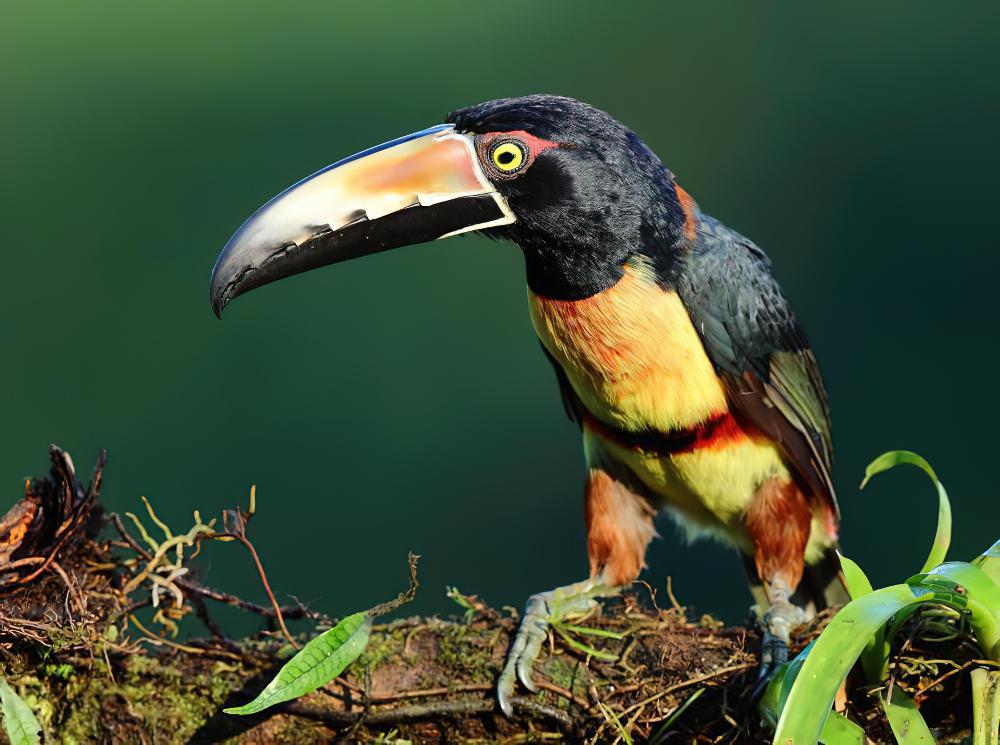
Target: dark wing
571, 402
750, 333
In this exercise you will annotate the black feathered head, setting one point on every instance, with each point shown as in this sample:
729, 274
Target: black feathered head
588, 193
576, 189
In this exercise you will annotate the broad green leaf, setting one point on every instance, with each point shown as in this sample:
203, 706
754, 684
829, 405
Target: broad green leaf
833, 655
961, 586
857, 581
18, 720
980, 599
989, 562
942, 538
907, 724
954, 585
839, 730
315, 665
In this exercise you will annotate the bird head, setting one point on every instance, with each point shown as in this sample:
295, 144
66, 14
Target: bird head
578, 191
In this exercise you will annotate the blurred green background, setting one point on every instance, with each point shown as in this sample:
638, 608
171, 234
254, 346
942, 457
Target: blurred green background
402, 402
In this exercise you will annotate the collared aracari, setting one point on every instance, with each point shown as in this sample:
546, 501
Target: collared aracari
675, 349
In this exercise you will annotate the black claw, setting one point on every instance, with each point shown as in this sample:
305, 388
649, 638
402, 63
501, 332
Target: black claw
773, 654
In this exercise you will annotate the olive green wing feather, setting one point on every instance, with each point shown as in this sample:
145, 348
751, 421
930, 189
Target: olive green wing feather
772, 380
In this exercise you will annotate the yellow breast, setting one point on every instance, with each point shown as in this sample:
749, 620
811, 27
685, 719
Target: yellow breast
631, 354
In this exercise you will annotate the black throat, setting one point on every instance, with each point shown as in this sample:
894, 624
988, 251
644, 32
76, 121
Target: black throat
576, 241
596, 200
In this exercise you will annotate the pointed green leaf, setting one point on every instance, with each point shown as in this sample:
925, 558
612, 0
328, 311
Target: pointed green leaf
942, 538
907, 724
315, 665
857, 581
875, 653
18, 720
833, 655
989, 562
839, 730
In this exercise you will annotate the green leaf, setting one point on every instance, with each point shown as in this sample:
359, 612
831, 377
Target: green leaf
315, 665
874, 655
660, 735
942, 538
833, 655
613, 719
907, 724
989, 562
586, 649
985, 706
839, 730
18, 720
977, 595
776, 693
590, 631
857, 581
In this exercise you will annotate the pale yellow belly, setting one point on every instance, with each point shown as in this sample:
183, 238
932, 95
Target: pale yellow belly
707, 491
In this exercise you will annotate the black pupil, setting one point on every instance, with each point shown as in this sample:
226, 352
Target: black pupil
506, 157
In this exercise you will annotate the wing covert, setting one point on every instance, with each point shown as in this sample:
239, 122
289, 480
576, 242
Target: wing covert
771, 377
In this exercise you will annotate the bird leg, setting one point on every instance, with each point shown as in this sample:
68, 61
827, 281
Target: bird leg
778, 521
619, 527
541, 610
778, 622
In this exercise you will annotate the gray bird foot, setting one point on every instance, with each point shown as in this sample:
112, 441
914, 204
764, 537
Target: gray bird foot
541, 610
778, 623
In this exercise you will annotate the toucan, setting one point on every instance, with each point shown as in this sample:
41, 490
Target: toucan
676, 351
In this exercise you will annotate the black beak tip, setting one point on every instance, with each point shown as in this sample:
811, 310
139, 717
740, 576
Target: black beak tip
219, 296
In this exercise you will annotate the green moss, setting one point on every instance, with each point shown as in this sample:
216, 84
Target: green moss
62, 671
462, 647
388, 643
566, 672
164, 697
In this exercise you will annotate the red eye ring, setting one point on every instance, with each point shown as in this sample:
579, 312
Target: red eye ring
519, 147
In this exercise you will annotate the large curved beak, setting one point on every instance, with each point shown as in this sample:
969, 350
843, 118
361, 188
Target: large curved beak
417, 188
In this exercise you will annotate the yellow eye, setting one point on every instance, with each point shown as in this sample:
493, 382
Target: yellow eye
508, 157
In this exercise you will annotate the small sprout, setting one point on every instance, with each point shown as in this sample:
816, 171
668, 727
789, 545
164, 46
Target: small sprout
613, 719
471, 603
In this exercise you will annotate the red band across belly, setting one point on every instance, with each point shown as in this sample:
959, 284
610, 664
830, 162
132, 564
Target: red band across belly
712, 431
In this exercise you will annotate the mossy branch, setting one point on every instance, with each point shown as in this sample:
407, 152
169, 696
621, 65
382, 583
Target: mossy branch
75, 649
